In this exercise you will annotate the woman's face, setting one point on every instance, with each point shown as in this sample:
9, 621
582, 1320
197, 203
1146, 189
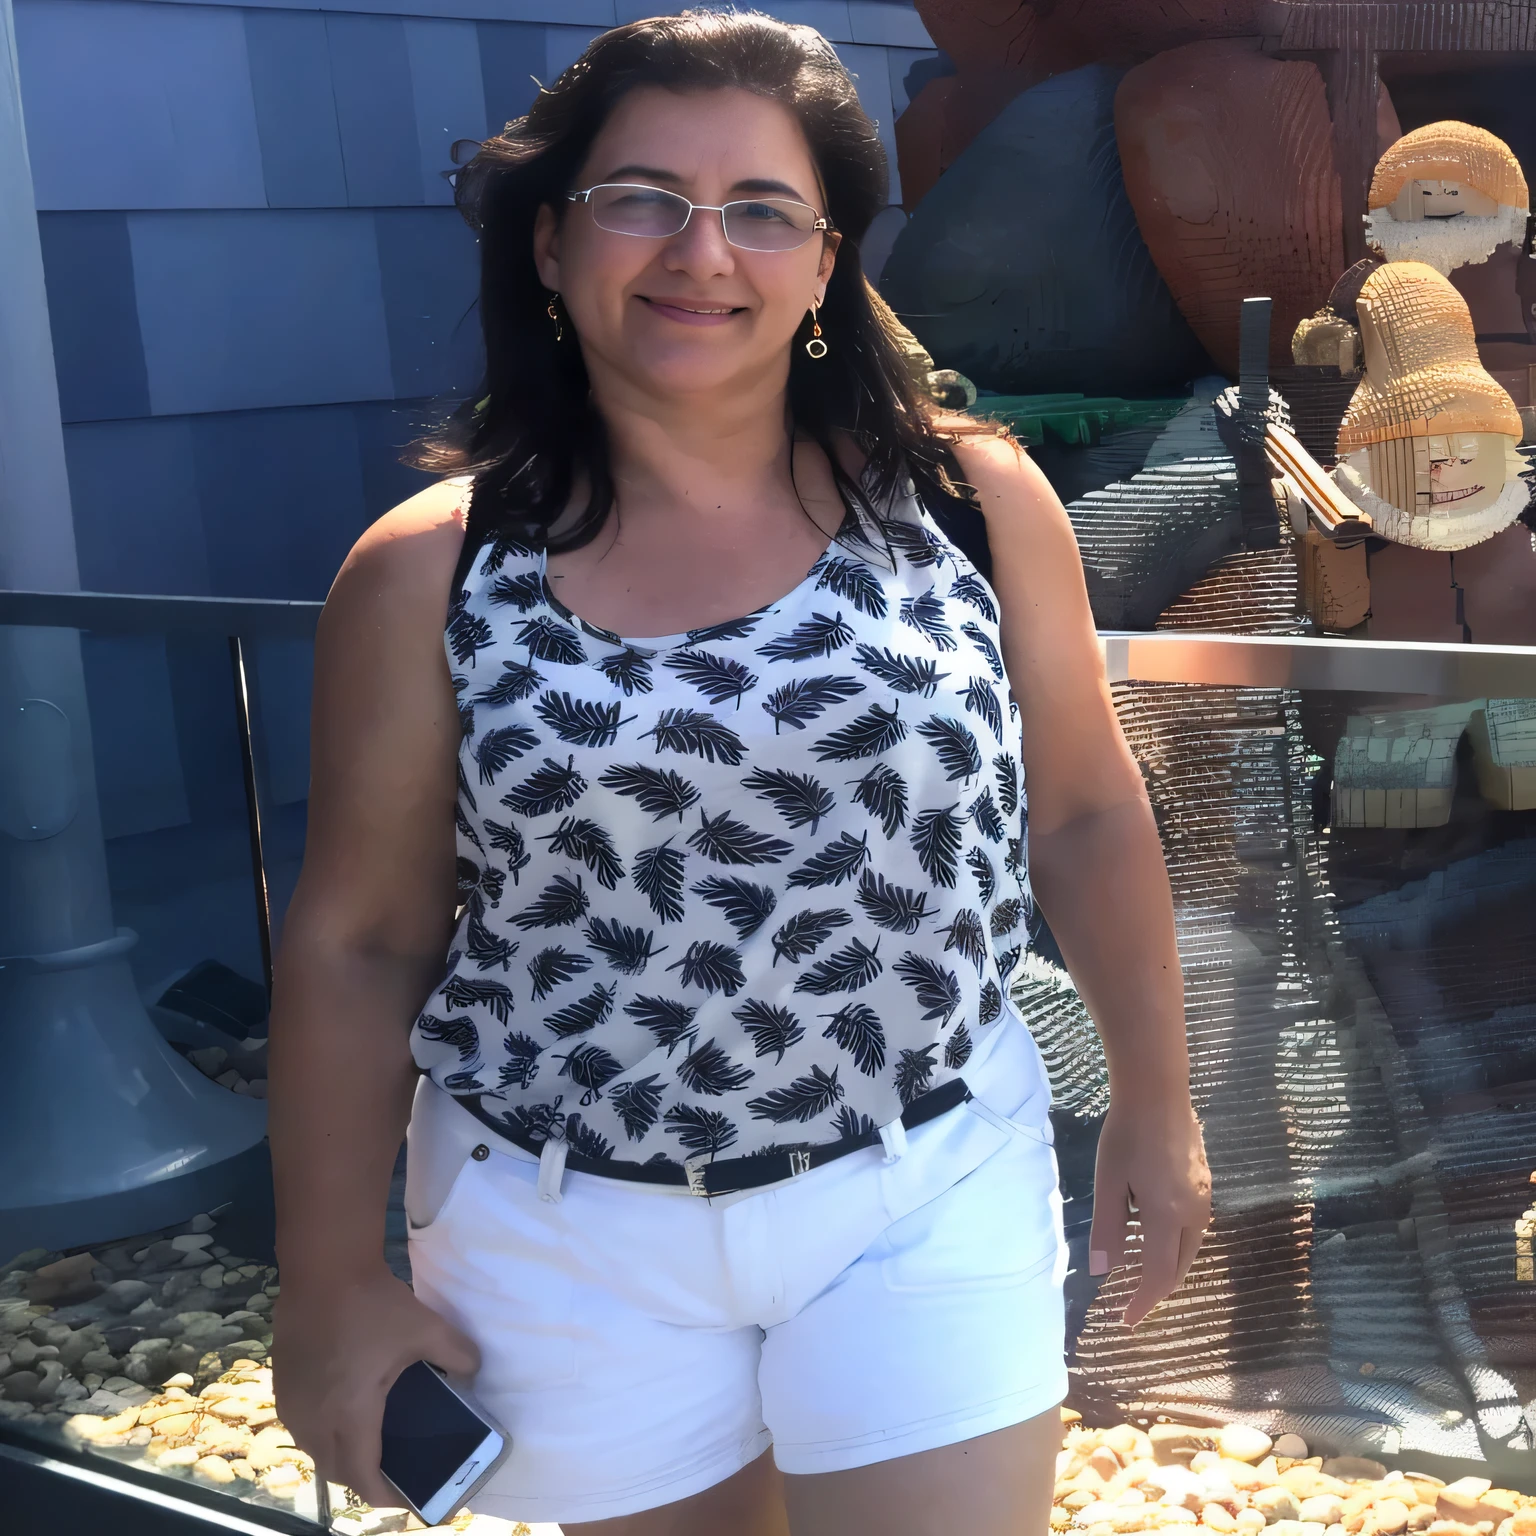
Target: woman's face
688, 314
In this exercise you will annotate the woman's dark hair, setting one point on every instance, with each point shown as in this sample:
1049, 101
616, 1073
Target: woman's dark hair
532, 424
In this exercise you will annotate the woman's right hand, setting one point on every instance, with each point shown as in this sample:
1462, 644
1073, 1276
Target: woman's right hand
336, 1351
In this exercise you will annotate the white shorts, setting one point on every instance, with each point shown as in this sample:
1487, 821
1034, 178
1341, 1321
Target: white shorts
640, 1344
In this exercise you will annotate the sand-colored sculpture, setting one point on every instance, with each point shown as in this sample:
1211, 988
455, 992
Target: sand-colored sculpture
1448, 194
1427, 444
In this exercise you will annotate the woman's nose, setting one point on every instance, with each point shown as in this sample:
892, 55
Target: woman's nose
701, 242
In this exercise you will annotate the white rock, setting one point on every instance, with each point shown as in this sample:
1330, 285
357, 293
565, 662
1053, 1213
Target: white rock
192, 1242
1475, 1486
202, 1222
1251, 1520
1293, 1446
1243, 1443
1327, 1507
1276, 1504
1177, 1485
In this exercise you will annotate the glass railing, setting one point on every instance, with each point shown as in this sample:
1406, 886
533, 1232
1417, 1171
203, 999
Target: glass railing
1350, 830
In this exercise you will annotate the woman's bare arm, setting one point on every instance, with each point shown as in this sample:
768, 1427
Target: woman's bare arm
1096, 868
364, 941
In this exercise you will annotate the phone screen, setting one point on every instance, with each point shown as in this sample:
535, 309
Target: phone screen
428, 1433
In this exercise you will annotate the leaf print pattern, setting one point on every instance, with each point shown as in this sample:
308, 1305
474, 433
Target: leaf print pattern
521, 592
936, 841
797, 797
548, 788
845, 970
802, 1100
877, 730
487, 948
966, 935
978, 637
893, 907
637, 1104
708, 1070
579, 837
461, 1034
627, 950
714, 967
955, 745
853, 580
926, 615
518, 681
799, 702
883, 793
986, 878
818, 636
773, 1030
1007, 772
837, 862
831, 782
659, 878
521, 1065
688, 731
991, 1006
584, 1014
589, 1067
700, 1130
906, 674
728, 841
914, 1072
983, 811
581, 722
856, 1028
504, 745
548, 639
746, 906
718, 678
670, 1022
627, 669
981, 699
970, 588
658, 791
805, 932
552, 966
562, 901
937, 989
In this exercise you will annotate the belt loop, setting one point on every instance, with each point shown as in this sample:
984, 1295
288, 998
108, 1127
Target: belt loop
893, 1137
552, 1156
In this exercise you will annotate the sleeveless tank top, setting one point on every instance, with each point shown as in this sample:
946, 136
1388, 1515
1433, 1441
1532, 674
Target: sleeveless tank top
755, 886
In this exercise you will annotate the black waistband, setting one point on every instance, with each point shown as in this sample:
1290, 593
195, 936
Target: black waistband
724, 1176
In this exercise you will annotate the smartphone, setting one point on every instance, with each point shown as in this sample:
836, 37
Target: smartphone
438, 1448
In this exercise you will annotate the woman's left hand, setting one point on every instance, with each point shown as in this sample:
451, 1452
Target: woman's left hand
1151, 1168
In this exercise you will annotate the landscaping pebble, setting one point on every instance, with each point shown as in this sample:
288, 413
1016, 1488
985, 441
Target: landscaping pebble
157, 1351
1235, 1481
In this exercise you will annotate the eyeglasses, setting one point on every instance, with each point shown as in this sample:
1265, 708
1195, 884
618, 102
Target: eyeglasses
752, 224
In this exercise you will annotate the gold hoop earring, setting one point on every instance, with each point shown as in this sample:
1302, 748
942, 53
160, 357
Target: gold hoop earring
816, 347
549, 309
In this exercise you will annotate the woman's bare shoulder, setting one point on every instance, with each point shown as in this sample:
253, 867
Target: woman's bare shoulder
406, 558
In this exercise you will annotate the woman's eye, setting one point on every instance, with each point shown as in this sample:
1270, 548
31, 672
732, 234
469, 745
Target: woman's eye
761, 211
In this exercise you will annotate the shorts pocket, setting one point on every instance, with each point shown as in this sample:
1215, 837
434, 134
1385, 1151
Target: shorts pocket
1041, 1131
414, 1197
999, 1226
496, 1260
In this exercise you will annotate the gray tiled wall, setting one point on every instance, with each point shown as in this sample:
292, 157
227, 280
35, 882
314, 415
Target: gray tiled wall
251, 250
259, 290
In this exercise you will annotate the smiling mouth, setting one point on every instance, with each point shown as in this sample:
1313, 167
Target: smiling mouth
695, 309
1441, 498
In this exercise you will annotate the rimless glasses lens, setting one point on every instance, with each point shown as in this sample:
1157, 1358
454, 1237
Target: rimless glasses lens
752, 224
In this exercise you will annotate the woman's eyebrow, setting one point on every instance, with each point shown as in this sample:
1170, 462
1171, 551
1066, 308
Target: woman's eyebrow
761, 184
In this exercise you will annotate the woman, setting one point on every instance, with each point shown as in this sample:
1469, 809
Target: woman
724, 724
